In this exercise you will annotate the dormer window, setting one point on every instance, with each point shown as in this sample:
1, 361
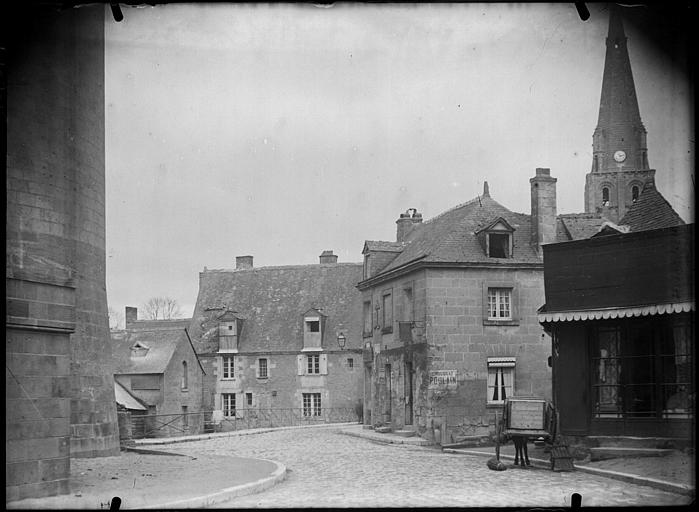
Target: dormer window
496, 239
634, 193
139, 349
229, 327
313, 323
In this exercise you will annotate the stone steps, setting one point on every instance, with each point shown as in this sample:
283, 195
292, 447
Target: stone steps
383, 430
615, 452
404, 433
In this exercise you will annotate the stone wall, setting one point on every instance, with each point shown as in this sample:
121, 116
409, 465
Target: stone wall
60, 399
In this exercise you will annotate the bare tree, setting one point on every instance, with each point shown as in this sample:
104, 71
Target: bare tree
161, 308
116, 319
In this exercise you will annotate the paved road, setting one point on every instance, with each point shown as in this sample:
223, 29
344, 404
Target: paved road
330, 469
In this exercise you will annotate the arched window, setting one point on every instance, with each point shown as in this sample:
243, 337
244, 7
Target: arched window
605, 196
184, 375
634, 193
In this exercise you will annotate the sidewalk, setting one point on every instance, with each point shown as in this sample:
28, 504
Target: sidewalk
674, 472
150, 481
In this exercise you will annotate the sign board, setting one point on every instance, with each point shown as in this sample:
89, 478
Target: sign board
442, 379
527, 414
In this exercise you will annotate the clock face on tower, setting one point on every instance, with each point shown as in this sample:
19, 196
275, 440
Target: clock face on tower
619, 156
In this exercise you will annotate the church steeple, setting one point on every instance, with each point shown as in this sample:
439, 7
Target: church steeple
620, 156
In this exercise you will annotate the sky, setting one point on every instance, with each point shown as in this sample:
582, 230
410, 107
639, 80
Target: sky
283, 130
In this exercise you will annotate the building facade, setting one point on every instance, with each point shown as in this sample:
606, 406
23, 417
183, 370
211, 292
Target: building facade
449, 316
620, 309
155, 362
280, 345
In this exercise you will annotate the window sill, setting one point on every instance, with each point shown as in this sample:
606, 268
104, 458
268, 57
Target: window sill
312, 349
228, 378
487, 321
494, 405
262, 378
369, 334
184, 390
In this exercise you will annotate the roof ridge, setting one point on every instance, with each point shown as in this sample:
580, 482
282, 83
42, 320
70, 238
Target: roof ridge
283, 267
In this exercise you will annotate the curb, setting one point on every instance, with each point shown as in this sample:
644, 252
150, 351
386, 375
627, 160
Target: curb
624, 477
388, 440
224, 495
233, 433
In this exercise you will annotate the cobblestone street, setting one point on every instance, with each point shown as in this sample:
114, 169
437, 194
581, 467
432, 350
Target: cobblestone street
330, 469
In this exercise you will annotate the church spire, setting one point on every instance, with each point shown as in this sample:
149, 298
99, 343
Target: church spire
620, 155
619, 141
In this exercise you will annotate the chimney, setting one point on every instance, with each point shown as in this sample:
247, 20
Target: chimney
543, 188
406, 222
131, 315
328, 257
243, 262
486, 190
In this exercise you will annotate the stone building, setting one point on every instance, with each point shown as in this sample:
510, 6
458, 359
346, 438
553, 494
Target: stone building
449, 315
280, 345
155, 361
59, 392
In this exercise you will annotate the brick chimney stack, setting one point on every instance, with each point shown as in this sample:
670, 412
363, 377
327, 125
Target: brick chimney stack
130, 316
243, 262
406, 222
328, 257
543, 190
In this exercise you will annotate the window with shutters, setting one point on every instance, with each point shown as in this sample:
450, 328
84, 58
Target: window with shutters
312, 364
501, 376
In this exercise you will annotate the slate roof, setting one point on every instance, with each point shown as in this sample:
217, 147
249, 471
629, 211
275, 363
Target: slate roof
126, 399
576, 226
272, 301
450, 236
650, 211
379, 245
151, 325
161, 343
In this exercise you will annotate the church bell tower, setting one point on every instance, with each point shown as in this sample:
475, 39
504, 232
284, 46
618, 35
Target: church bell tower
620, 156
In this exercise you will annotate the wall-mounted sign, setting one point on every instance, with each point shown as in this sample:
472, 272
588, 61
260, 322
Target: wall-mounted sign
442, 379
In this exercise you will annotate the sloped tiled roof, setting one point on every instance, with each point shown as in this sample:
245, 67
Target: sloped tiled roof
151, 325
650, 211
450, 236
126, 399
577, 226
272, 300
161, 343
379, 245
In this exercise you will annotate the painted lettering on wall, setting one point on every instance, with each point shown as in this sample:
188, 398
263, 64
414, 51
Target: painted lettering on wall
442, 379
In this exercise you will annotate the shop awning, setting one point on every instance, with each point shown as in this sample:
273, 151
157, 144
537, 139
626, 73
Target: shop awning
607, 313
126, 399
501, 361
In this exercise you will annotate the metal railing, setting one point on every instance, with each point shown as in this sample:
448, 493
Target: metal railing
141, 426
